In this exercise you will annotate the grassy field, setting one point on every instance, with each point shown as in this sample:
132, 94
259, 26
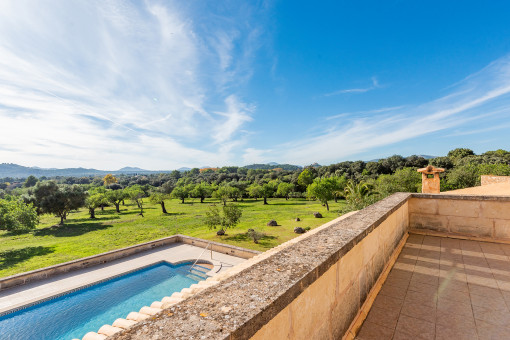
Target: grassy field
82, 236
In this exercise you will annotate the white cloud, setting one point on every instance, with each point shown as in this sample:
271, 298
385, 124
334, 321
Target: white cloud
236, 115
127, 81
479, 96
375, 84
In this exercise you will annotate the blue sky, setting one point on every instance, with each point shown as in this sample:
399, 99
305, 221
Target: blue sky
166, 84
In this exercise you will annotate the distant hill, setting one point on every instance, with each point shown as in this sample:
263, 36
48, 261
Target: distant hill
424, 156
272, 165
19, 171
131, 169
183, 169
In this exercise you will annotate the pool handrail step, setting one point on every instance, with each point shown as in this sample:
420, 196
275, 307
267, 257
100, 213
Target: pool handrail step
203, 251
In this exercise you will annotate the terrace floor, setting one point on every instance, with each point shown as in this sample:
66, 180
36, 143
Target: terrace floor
444, 288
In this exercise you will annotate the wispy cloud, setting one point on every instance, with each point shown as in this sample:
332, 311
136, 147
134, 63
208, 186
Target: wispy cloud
365, 112
375, 84
483, 97
133, 82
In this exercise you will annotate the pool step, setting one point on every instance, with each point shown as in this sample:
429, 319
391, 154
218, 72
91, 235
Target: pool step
201, 268
195, 277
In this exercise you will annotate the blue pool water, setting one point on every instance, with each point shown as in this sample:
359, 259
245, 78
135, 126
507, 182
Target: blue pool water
75, 314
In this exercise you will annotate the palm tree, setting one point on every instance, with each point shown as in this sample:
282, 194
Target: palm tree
358, 195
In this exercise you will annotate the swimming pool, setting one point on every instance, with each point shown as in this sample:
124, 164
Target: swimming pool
75, 314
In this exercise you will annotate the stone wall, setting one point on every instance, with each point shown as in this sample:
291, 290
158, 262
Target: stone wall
313, 288
489, 179
483, 217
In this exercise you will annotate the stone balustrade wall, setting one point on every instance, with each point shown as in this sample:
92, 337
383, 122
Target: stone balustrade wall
481, 217
489, 179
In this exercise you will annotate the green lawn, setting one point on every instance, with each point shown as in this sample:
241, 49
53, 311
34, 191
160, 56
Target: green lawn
82, 236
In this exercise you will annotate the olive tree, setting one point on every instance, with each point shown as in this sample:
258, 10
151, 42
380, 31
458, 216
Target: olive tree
95, 201
181, 192
115, 197
223, 193
159, 198
322, 189
284, 189
58, 199
267, 190
230, 217
201, 191
254, 191
136, 194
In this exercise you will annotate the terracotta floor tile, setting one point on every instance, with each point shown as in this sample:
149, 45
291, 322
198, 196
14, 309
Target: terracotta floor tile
454, 295
400, 335
424, 278
503, 286
383, 317
388, 302
371, 331
427, 299
482, 281
505, 248
454, 320
501, 275
420, 329
431, 240
431, 256
400, 274
484, 291
506, 297
417, 239
487, 331
494, 317
454, 307
453, 284
424, 263
470, 245
456, 274
489, 302
422, 287
393, 291
418, 311
454, 289
446, 332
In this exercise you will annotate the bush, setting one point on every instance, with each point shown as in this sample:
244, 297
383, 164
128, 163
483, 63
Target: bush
16, 215
255, 235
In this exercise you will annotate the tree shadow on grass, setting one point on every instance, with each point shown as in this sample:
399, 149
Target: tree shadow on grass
264, 241
16, 232
134, 212
172, 213
9, 258
71, 229
286, 203
88, 219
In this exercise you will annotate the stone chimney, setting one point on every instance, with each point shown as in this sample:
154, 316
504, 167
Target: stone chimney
430, 180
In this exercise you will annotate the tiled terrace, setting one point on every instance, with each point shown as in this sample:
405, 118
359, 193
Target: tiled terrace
444, 288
